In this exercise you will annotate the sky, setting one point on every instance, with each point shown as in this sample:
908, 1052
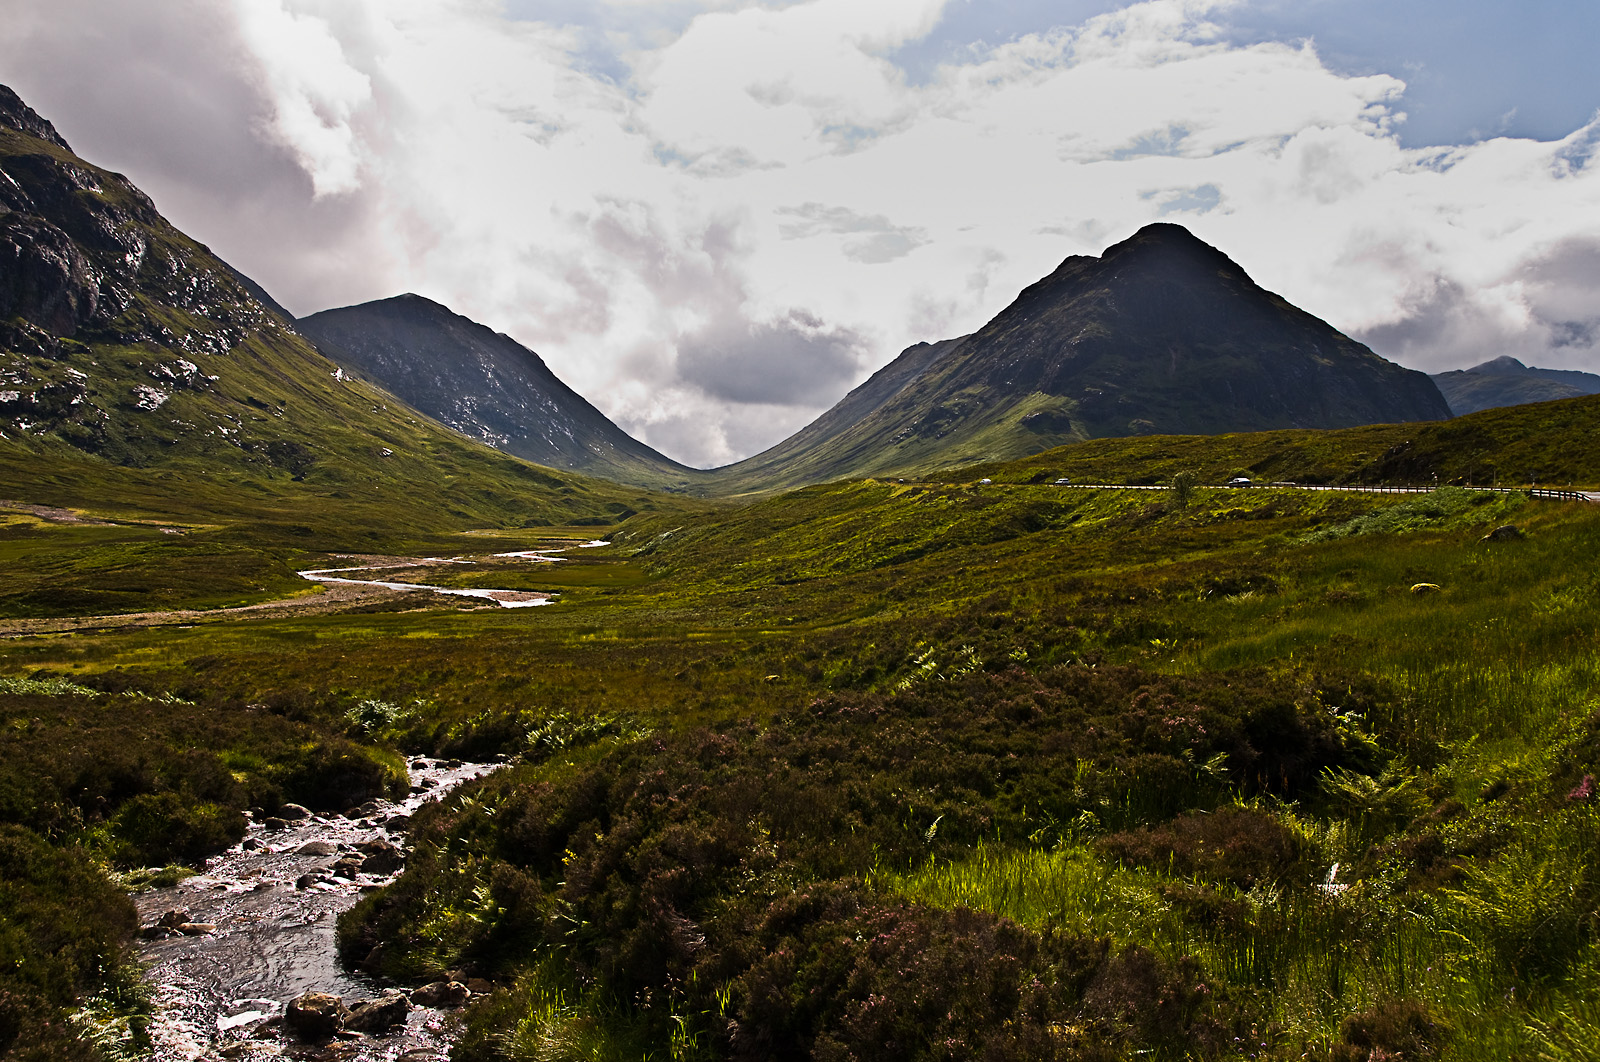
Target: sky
714, 217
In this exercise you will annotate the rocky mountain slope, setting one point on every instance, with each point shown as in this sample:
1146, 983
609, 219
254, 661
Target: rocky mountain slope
1506, 381
129, 353
1161, 334
485, 385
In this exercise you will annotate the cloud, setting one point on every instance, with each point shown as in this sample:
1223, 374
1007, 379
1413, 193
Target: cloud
712, 217
794, 361
874, 241
314, 90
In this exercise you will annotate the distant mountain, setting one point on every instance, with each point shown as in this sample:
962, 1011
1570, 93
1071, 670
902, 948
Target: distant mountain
1161, 334
126, 345
1506, 381
485, 385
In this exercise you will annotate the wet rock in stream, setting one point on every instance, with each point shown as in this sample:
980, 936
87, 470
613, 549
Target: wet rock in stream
315, 1016
265, 944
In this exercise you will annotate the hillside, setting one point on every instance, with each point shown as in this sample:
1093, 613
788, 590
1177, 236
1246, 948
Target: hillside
487, 386
1506, 381
1551, 444
140, 373
1161, 334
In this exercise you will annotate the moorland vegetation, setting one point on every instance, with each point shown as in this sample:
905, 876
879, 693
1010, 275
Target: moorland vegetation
935, 769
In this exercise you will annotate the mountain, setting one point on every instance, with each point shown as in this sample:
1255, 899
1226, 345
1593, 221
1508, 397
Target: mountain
1506, 381
138, 368
485, 385
1161, 334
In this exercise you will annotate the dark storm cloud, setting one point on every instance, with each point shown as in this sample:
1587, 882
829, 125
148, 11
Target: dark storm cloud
795, 361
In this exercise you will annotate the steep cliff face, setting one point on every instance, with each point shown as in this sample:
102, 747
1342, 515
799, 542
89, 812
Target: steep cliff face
487, 386
1163, 334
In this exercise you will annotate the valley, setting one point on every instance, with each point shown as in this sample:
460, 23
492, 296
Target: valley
974, 721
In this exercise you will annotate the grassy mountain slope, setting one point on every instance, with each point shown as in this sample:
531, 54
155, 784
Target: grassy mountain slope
140, 373
1506, 381
1162, 333
1552, 444
486, 386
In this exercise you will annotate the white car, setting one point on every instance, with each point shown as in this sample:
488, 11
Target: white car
1239, 481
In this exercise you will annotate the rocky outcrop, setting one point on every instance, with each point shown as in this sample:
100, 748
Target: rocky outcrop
18, 115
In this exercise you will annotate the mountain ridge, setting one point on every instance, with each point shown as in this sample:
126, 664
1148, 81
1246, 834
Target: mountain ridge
125, 346
1185, 345
1505, 381
487, 386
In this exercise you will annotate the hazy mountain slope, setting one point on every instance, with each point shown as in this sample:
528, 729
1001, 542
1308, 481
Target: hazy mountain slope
485, 385
1163, 333
126, 345
1505, 381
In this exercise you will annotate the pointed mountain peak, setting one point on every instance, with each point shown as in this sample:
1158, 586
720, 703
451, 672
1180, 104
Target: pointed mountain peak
1164, 246
24, 119
1504, 365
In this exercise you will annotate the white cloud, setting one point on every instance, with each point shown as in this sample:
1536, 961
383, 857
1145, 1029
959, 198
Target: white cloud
313, 89
715, 238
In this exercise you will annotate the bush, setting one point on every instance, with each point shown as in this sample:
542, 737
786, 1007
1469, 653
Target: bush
63, 931
1233, 845
154, 829
1395, 1031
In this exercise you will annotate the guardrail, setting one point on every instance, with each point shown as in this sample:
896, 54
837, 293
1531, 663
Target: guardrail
1532, 492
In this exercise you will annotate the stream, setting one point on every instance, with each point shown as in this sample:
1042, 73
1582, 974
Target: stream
262, 917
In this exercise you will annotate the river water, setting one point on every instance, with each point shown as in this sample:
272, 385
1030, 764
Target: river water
218, 994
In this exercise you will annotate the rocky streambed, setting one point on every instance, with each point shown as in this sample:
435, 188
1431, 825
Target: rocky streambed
242, 956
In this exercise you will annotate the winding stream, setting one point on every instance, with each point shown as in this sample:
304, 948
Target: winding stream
503, 598
218, 993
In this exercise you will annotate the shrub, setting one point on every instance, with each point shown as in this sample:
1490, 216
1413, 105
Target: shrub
154, 829
1394, 1031
1237, 846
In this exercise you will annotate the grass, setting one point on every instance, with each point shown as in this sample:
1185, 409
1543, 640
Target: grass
1467, 716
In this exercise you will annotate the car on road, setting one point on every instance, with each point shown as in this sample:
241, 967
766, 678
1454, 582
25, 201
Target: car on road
1063, 482
1239, 481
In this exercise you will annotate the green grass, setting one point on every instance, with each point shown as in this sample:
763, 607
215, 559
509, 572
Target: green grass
1481, 694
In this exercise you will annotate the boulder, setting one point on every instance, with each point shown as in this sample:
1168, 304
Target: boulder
441, 994
173, 918
294, 812
381, 857
1504, 533
315, 1016
1426, 588
272, 822
379, 1015
317, 848
196, 929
